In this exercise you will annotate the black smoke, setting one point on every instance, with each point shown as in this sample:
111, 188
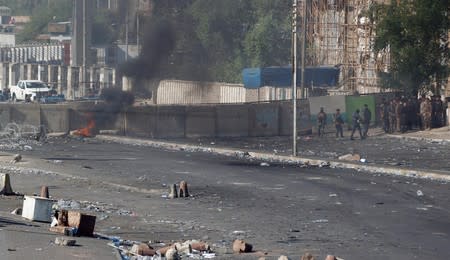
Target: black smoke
158, 45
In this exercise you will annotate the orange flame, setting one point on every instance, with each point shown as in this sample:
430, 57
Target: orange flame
87, 131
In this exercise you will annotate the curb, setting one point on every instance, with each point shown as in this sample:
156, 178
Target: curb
406, 172
439, 140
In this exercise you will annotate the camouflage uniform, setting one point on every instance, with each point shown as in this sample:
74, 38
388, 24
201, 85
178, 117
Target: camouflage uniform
425, 113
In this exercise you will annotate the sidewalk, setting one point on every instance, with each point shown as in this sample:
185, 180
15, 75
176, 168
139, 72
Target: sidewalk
421, 154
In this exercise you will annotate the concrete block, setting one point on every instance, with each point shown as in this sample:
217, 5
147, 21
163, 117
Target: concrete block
184, 191
200, 121
307, 256
83, 222
44, 192
232, 120
5, 185
240, 246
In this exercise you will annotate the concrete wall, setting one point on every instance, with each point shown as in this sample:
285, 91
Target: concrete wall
140, 121
329, 103
171, 121
232, 120
303, 118
55, 117
200, 121
264, 119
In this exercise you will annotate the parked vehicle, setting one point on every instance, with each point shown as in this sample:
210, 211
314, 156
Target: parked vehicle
29, 90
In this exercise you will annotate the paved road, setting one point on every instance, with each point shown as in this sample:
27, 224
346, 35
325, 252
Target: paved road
278, 209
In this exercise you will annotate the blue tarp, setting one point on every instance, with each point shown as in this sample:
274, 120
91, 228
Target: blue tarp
282, 77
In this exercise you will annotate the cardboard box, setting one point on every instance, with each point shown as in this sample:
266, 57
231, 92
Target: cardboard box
83, 222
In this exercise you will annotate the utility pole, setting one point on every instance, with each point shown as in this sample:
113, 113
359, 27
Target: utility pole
126, 32
84, 69
294, 78
304, 12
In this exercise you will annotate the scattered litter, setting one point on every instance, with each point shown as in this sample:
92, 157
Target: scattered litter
307, 256
17, 158
320, 221
419, 193
350, 157
239, 232
264, 164
17, 211
362, 160
333, 195
240, 246
61, 241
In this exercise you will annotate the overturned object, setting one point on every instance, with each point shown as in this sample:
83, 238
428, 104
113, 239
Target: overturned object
37, 208
240, 246
5, 185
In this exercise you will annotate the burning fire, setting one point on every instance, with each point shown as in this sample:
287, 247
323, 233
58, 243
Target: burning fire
87, 131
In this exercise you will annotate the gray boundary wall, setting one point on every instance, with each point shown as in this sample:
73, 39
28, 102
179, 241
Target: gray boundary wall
232, 120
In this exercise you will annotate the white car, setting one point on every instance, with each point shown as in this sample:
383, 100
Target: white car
29, 90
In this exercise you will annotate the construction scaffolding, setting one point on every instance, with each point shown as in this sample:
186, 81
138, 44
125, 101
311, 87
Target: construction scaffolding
339, 33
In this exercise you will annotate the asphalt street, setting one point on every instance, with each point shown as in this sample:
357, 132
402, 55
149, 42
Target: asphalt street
279, 209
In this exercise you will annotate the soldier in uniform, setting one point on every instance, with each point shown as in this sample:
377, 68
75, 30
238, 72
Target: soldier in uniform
425, 113
356, 124
338, 123
321, 122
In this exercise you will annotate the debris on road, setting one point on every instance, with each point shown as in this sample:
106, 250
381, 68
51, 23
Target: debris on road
73, 223
44, 192
37, 208
240, 246
419, 193
5, 185
264, 164
61, 241
173, 192
17, 211
350, 157
17, 158
142, 249
307, 256
184, 191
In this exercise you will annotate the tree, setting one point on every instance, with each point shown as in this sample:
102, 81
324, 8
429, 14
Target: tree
55, 11
215, 40
415, 32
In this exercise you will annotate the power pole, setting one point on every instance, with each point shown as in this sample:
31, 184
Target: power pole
304, 12
294, 78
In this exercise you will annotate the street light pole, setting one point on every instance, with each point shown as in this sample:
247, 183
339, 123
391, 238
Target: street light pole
294, 78
304, 12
